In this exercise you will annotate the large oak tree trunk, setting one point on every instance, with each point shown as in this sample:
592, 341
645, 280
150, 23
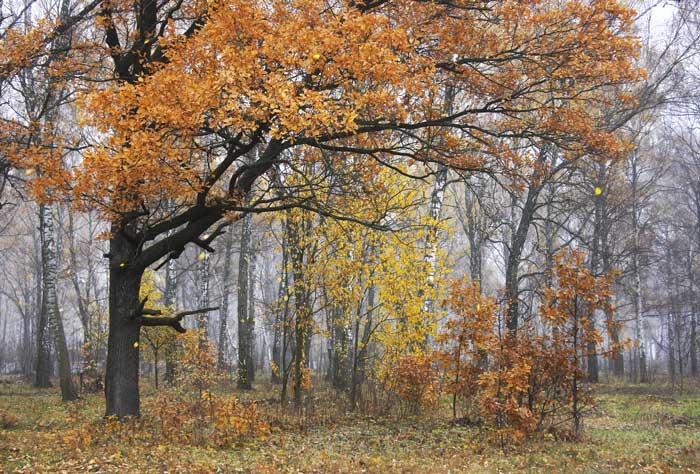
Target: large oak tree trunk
122, 377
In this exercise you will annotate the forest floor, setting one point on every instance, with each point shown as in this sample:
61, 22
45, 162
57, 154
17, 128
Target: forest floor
632, 429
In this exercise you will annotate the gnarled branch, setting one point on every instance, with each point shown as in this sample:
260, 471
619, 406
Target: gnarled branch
173, 321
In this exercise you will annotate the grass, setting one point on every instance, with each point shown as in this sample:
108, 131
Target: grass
632, 429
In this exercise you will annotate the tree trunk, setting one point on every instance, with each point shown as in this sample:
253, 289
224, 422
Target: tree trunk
595, 257
278, 359
3, 343
27, 351
361, 350
50, 278
436, 202
618, 360
639, 354
169, 297
518, 239
42, 377
122, 377
44, 367
670, 345
437, 199
223, 314
693, 346
245, 347
252, 269
203, 295
302, 308
340, 352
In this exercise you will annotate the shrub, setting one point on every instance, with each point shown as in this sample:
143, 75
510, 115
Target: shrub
415, 380
7, 420
529, 381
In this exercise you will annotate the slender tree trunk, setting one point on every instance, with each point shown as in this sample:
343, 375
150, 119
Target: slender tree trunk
3, 344
670, 347
122, 377
472, 225
169, 299
44, 366
155, 366
361, 349
575, 411
252, 285
50, 280
223, 314
245, 349
203, 295
437, 199
595, 257
517, 244
340, 361
639, 352
278, 362
693, 343
43, 344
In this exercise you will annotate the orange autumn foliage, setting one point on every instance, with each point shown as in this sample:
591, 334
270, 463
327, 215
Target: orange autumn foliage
532, 382
415, 381
194, 411
348, 75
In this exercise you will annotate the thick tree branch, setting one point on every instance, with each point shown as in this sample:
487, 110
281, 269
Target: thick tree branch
172, 321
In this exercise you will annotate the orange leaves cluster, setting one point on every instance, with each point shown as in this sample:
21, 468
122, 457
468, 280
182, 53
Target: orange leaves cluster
415, 380
305, 72
532, 381
7, 420
467, 338
216, 420
577, 294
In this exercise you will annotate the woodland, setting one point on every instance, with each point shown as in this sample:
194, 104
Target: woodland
349, 236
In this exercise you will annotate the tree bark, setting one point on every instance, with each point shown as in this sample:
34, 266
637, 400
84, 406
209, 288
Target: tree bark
693, 344
44, 367
50, 280
169, 297
122, 377
517, 243
639, 354
43, 371
245, 346
223, 314
252, 281
203, 295
302, 308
